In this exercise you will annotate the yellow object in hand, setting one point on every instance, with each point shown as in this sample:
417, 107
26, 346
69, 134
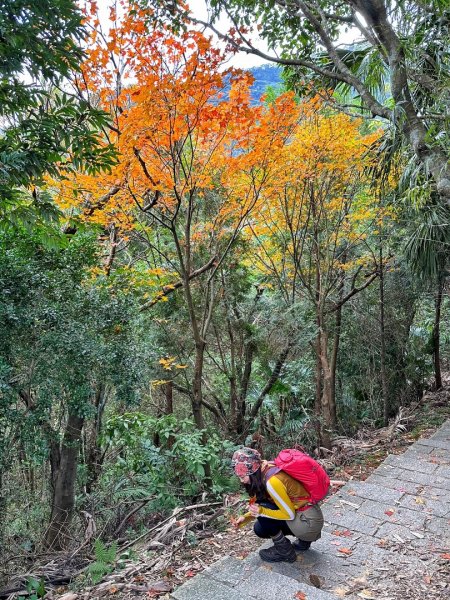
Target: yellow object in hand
242, 520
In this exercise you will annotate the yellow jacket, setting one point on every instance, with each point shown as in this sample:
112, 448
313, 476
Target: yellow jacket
287, 493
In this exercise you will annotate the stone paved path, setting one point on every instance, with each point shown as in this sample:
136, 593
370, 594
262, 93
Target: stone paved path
380, 534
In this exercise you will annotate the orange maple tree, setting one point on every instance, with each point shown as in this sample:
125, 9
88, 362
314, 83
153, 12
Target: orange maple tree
193, 158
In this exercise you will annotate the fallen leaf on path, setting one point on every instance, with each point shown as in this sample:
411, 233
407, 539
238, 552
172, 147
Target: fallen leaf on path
340, 592
190, 573
427, 579
389, 512
445, 556
300, 596
343, 533
346, 551
420, 500
366, 594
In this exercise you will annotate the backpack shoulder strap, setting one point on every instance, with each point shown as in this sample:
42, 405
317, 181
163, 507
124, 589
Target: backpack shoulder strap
270, 472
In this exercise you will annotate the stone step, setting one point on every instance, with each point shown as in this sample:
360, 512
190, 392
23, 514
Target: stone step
337, 567
249, 579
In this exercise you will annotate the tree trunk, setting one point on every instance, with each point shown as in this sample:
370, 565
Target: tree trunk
249, 350
168, 408
233, 403
197, 385
318, 394
2, 513
384, 387
333, 364
233, 382
436, 333
197, 398
94, 455
64, 472
326, 400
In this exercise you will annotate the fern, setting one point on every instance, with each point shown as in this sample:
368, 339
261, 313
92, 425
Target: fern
104, 553
104, 563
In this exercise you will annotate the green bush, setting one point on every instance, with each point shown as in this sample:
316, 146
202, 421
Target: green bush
172, 471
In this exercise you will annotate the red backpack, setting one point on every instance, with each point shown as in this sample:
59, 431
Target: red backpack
305, 469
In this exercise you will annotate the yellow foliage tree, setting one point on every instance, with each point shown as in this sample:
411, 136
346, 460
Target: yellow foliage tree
312, 237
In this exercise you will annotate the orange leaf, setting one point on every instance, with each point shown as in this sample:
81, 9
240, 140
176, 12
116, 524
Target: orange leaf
389, 512
300, 596
445, 556
346, 551
345, 533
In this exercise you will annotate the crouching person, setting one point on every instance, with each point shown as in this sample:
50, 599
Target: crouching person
281, 505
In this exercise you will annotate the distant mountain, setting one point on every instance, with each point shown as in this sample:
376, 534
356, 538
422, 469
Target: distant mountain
264, 75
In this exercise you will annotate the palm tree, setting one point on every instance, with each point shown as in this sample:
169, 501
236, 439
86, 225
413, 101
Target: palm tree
428, 252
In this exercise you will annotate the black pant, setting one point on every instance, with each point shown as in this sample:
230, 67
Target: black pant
266, 528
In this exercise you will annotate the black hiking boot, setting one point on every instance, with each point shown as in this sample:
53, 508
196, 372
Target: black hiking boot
281, 551
301, 545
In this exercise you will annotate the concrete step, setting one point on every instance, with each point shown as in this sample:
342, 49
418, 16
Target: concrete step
249, 579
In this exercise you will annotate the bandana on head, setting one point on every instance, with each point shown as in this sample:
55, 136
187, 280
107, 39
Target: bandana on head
246, 461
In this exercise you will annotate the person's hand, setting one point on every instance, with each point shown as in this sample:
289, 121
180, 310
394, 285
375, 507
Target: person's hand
238, 521
254, 509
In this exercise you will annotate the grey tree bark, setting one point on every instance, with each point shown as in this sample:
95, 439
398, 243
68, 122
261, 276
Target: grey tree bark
64, 463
